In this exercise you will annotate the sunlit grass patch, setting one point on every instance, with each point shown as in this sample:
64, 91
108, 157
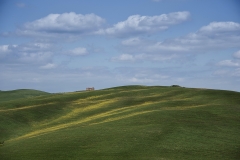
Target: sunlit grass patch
122, 117
78, 109
76, 121
25, 107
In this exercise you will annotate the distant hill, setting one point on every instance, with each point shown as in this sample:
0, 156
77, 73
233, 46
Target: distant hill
20, 93
127, 122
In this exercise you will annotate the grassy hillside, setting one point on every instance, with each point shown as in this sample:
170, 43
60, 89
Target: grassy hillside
129, 122
20, 93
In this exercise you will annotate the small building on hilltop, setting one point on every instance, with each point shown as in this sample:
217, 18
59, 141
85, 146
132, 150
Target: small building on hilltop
90, 89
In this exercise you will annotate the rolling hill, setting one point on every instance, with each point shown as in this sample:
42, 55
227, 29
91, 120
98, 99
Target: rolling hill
127, 122
20, 93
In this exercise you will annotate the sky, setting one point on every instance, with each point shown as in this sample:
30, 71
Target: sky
69, 45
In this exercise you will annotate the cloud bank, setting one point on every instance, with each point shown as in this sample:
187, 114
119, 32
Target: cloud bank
65, 23
137, 25
212, 37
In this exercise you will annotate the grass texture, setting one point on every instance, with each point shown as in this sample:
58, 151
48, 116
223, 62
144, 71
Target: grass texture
20, 93
128, 122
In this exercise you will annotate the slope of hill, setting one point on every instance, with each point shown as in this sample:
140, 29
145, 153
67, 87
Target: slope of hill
129, 122
20, 93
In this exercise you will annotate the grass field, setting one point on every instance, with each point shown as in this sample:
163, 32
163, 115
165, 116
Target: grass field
20, 93
128, 122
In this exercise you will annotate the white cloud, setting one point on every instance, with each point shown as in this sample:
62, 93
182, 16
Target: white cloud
131, 58
78, 51
136, 45
66, 23
27, 53
229, 63
213, 37
73, 25
48, 66
145, 77
216, 35
124, 57
141, 80
222, 72
137, 24
166, 46
4, 50
132, 41
236, 72
236, 54
7, 53
220, 27
229, 68
143, 57
32, 47
38, 57
229, 73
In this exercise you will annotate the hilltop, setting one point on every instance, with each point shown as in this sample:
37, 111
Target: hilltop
20, 93
127, 122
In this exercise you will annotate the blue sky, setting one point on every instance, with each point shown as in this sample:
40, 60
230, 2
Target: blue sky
61, 46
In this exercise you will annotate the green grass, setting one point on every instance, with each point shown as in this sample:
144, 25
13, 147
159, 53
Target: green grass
20, 93
127, 122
